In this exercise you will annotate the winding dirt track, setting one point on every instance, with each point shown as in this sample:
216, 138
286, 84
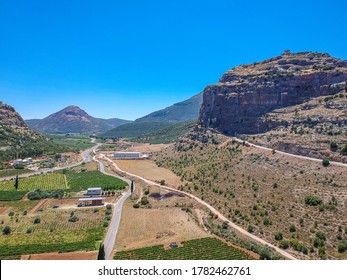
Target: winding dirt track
213, 210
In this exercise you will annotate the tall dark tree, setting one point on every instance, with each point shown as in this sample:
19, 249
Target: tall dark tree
132, 186
16, 183
101, 254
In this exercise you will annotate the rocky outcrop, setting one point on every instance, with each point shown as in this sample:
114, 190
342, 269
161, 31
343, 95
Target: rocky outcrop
244, 94
9, 116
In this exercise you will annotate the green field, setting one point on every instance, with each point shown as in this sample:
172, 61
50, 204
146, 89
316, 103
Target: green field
198, 249
11, 195
78, 181
53, 233
76, 142
50, 181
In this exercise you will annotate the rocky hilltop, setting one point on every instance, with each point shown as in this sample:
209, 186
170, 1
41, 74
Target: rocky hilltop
73, 119
18, 140
239, 101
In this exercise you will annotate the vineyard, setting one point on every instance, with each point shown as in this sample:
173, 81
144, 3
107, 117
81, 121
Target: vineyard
75, 181
50, 181
198, 249
54, 232
78, 181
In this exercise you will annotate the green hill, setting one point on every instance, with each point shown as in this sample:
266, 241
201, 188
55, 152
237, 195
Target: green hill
166, 135
179, 112
135, 129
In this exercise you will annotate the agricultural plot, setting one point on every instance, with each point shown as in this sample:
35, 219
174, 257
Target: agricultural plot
54, 232
50, 181
11, 195
198, 249
78, 181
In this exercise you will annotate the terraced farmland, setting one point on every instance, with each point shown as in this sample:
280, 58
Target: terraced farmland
198, 249
50, 181
54, 232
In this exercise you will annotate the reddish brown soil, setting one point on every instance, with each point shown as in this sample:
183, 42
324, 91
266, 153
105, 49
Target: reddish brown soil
90, 255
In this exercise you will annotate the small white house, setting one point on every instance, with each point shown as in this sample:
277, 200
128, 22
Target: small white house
17, 162
93, 191
129, 155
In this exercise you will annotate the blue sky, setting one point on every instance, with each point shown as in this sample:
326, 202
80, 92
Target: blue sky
128, 58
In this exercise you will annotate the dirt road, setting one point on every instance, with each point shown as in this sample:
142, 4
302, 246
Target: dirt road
213, 210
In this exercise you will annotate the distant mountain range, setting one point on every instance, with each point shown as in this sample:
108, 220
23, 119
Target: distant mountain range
17, 140
180, 112
72, 119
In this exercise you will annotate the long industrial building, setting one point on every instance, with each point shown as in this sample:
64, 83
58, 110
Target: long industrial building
130, 155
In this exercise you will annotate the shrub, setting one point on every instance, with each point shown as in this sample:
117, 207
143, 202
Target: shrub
29, 230
11, 214
109, 207
73, 219
162, 182
37, 220
144, 200
25, 212
333, 146
278, 236
95, 210
292, 228
267, 222
275, 185
136, 205
6, 230
250, 228
284, 244
325, 162
225, 225
321, 235
105, 223
313, 200
342, 247
108, 212
146, 192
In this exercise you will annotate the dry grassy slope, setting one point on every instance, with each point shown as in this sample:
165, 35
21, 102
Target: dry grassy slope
239, 181
309, 128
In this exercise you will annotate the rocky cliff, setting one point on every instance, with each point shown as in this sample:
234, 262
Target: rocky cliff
17, 140
244, 94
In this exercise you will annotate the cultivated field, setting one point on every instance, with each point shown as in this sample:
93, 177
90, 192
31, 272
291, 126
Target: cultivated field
198, 249
149, 170
50, 181
148, 227
51, 231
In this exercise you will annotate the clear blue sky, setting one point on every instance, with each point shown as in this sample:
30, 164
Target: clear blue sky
128, 58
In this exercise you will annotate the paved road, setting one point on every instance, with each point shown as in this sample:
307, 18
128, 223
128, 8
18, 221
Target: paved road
111, 235
215, 211
86, 158
291, 155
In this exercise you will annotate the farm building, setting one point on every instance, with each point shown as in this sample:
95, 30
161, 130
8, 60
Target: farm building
17, 162
129, 155
91, 201
93, 191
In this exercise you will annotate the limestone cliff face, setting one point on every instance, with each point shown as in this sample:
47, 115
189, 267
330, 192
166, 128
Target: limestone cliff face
244, 94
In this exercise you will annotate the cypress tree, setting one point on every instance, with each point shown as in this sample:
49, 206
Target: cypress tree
16, 183
101, 254
132, 187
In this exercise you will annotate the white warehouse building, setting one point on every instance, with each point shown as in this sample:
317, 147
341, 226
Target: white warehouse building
129, 155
